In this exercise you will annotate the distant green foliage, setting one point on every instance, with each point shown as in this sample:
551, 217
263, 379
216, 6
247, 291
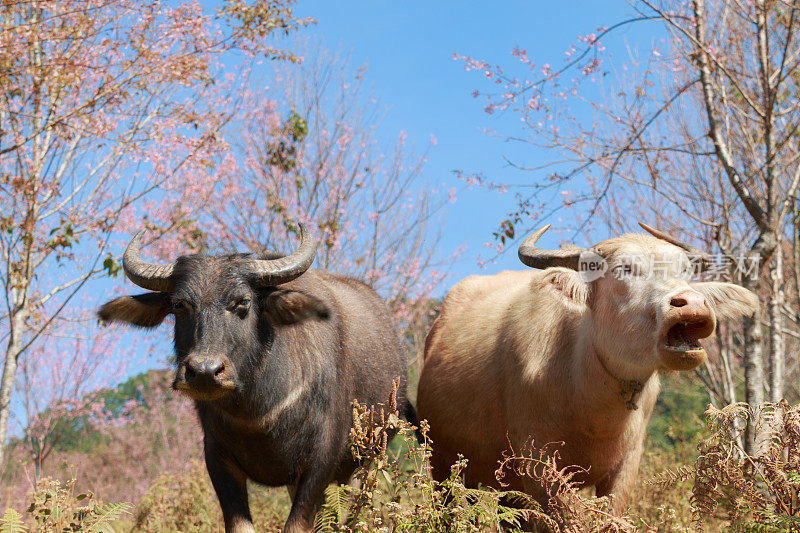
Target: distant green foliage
283, 153
135, 388
76, 433
677, 416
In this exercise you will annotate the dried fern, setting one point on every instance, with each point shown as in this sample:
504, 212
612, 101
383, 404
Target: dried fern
568, 511
758, 492
671, 476
388, 478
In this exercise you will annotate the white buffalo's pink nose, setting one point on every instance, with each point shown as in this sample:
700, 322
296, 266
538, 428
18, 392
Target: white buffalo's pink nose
690, 308
691, 300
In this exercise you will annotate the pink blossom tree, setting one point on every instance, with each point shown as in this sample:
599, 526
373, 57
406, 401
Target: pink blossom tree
56, 381
309, 150
115, 441
109, 111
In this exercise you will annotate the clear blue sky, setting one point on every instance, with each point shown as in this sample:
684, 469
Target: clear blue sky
408, 47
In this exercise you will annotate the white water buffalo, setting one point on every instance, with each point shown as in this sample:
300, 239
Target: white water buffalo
554, 355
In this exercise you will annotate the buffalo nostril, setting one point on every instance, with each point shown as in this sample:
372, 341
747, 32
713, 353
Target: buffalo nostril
190, 373
678, 301
220, 370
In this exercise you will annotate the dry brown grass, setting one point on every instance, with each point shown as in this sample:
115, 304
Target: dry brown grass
710, 486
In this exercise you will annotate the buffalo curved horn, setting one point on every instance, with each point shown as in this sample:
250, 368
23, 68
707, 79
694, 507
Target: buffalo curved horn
537, 258
270, 254
270, 272
148, 276
705, 259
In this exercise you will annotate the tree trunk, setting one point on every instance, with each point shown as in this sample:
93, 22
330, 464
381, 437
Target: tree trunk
753, 366
724, 342
19, 278
17, 327
777, 353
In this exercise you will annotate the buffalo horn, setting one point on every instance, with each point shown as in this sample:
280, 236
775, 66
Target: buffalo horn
537, 258
148, 276
270, 272
705, 258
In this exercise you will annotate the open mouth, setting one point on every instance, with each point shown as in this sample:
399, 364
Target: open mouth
684, 337
682, 344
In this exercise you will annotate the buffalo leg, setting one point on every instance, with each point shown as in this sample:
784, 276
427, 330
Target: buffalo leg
230, 484
292, 489
306, 501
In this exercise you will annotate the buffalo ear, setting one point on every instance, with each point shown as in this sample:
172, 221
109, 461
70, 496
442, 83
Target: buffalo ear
728, 300
567, 284
144, 310
290, 307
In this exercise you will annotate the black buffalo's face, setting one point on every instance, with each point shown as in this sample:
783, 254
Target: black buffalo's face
222, 320
216, 314
222, 305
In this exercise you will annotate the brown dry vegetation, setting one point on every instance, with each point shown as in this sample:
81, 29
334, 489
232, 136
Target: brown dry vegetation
692, 479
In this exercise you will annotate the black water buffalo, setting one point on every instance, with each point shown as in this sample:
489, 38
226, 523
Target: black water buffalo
273, 354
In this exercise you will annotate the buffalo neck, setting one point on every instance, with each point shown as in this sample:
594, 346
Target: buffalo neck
608, 395
269, 389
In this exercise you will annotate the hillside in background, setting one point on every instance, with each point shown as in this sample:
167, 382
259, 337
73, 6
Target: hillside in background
139, 430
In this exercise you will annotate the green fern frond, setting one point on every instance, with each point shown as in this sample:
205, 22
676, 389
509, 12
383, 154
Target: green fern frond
103, 516
326, 520
522, 500
11, 522
338, 503
528, 508
768, 522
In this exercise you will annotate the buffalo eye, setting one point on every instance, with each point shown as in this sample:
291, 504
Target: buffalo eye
182, 306
239, 306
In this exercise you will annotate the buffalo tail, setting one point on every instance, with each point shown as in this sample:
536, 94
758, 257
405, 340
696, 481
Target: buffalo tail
411, 415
